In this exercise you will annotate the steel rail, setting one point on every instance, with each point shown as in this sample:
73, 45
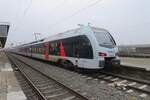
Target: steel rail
121, 77
125, 77
137, 89
71, 90
29, 80
130, 79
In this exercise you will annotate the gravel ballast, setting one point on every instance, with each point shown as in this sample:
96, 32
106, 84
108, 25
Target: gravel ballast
94, 89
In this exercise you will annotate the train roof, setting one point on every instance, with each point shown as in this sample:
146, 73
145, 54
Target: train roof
31, 43
98, 29
62, 35
4, 23
73, 32
69, 33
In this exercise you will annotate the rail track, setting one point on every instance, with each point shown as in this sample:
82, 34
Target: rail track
121, 82
44, 86
125, 83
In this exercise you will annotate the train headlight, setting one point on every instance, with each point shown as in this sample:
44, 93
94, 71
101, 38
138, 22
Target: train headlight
102, 54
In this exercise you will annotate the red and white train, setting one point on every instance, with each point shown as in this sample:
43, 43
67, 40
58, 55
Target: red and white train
85, 47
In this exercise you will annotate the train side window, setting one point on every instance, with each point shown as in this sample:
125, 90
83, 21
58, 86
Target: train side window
83, 47
30, 50
51, 47
57, 47
39, 50
34, 50
68, 46
54, 48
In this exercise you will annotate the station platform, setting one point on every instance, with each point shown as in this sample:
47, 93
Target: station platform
9, 86
136, 62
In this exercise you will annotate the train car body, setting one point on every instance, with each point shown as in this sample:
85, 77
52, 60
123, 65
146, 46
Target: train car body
85, 47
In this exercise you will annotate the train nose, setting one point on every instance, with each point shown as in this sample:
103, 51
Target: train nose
109, 61
115, 61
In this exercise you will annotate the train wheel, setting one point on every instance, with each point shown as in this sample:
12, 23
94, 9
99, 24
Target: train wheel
59, 62
70, 64
63, 63
66, 64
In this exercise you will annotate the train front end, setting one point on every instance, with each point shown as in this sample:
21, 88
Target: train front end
106, 49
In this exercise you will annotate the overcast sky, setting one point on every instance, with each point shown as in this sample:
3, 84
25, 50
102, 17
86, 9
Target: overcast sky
127, 20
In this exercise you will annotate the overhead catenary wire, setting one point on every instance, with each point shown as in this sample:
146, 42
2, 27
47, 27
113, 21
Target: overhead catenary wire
77, 12
19, 19
27, 8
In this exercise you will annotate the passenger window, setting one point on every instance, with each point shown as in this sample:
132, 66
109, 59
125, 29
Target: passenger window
54, 48
83, 47
68, 46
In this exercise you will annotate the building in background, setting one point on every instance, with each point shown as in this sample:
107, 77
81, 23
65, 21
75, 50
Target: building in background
142, 50
4, 28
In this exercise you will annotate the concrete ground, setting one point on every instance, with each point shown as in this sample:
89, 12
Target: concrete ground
136, 62
9, 86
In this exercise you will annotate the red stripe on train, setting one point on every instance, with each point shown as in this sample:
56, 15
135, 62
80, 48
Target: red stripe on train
46, 45
62, 50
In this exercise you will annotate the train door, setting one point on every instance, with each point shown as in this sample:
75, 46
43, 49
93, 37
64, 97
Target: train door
83, 51
46, 46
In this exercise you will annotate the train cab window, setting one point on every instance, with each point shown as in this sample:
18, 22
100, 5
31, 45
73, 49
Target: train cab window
83, 47
105, 39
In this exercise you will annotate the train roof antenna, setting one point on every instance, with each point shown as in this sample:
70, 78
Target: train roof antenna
80, 25
89, 24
